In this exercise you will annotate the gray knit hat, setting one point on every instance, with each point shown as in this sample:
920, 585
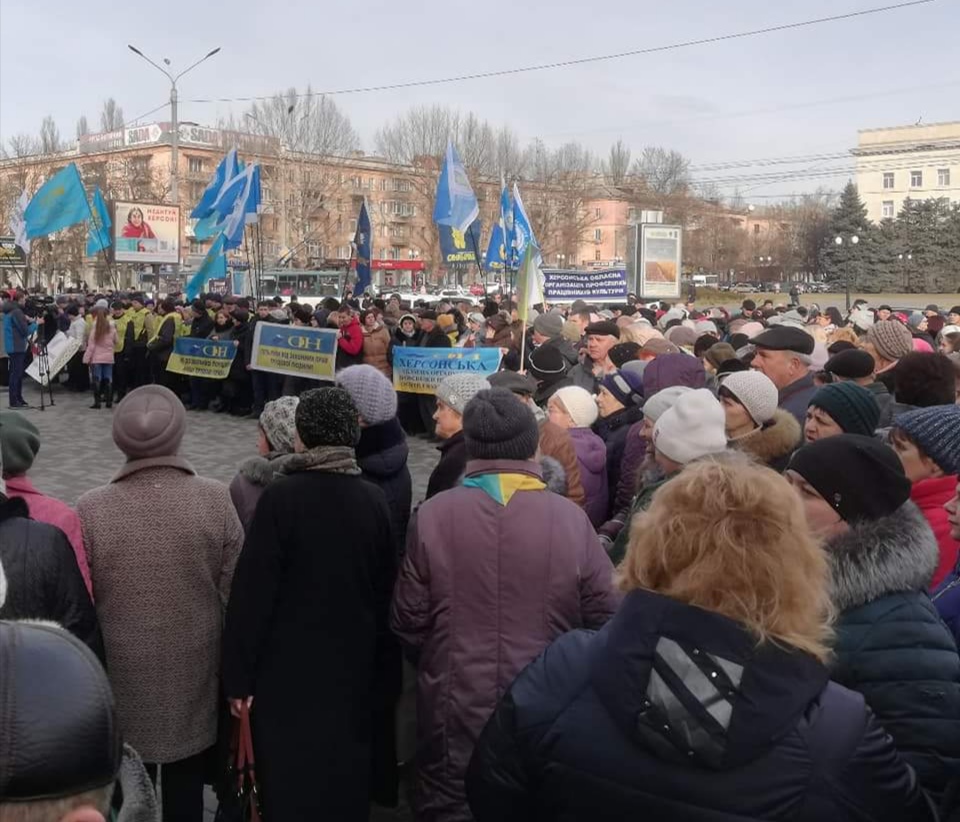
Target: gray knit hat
327, 416
498, 425
891, 338
550, 325
372, 393
457, 390
278, 422
149, 422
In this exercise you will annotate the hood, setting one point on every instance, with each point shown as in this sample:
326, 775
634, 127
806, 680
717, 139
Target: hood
774, 442
894, 554
693, 686
264, 470
591, 451
10, 306
383, 451
139, 802
673, 369
554, 476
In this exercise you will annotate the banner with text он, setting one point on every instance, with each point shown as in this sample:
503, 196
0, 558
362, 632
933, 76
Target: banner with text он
195, 357
420, 370
604, 286
295, 350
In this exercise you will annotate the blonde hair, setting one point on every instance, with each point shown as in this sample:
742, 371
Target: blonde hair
53, 810
843, 335
729, 535
639, 333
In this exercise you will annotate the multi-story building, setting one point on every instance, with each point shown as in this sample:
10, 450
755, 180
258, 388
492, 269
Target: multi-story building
918, 162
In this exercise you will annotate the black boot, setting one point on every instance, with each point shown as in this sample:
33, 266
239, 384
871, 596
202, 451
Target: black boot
107, 391
96, 394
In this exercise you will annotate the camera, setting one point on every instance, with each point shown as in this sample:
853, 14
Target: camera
37, 304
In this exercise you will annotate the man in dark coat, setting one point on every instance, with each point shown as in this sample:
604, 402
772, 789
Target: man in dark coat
784, 355
307, 642
431, 336
453, 394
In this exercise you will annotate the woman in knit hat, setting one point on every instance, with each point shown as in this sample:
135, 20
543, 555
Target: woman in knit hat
890, 643
888, 341
575, 410
453, 394
306, 638
841, 408
275, 432
754, 423
928, 443
620, 404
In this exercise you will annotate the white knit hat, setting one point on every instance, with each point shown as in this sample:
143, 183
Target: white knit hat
706, 327
693, 428
755, 392
664, 399
580, 405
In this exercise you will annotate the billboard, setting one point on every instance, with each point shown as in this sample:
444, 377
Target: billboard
146, 233
658, 269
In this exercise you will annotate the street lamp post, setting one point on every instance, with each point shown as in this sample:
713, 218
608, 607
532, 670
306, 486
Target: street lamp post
560, 259
904, 276
853, 240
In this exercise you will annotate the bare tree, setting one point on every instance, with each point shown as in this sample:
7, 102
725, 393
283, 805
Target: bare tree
111, 117
83, 128
309, 123
617, 165
665, 172
23, 145
50, 142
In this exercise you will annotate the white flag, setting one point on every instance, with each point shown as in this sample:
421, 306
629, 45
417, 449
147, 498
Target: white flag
17, 223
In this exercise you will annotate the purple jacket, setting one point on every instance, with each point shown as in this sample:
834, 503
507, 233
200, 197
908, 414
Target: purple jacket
484, 588
592, 458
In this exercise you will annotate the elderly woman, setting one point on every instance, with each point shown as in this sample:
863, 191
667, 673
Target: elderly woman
707, 696
754, 423
841, 408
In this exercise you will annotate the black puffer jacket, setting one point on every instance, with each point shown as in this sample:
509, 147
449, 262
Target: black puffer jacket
892, 646
382, 456
43, 578
671, 712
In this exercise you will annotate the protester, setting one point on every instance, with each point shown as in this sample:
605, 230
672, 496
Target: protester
160, 345
376, 342
78, 375
98, 354
275, 434
549, 368
601, 337
306, 639
722, 580
548, 334
575, 410
473, 624
890, 643
927, 441
620, 404
382, 449
841, 408
16, 331
888, 342
784, 355
160, 596
754, 423
857, 365
453, 394
920, 381
349, 338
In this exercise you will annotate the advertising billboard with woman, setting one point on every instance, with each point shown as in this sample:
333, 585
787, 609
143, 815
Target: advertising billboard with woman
146, 233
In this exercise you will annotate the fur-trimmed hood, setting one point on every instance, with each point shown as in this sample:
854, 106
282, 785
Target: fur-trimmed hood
774, 442
895, 554
264, 470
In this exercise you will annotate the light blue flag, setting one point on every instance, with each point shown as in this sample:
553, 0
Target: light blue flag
236, 219
226, 171
60, 202
98, 237
232, 191
456, 204
522, 231
214, 266
207, 227
251, 211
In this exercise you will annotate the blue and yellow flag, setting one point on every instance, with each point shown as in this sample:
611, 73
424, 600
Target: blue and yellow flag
364, 249
98, 238
60, 202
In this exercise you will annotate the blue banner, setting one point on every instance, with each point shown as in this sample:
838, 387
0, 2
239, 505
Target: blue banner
459, 247
364, 249
295, 350
196, 357
603, 286
420, 370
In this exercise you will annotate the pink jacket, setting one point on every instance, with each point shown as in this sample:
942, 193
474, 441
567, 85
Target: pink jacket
53, 512
100, 352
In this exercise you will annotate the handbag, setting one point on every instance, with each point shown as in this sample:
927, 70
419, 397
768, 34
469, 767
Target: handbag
240, 795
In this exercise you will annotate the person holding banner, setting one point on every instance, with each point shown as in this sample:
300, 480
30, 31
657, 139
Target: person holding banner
99, 354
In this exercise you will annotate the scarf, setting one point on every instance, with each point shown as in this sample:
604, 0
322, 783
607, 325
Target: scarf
501, 487
332, 459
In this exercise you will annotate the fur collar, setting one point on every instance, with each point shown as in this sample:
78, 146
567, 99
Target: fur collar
775, 441
894, 554
263, 470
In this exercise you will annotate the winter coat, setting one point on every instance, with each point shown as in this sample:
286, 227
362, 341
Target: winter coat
570, 354
546, 389
884, 400
53, 512
453, 462
796, 397
16, 328
489, 579
306, 634
634, 453
160, 591
930, 495
641, 502
613, 431
382, 454
100, 351
582, 376
161, 346
376, 350
43, 580
625, 724
350, 345
890, 643
435, 339
592, 461
252, 477
202, 327
773, 444
556, 442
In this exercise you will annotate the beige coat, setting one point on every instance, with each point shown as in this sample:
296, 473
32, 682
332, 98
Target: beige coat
162, 544
376, 348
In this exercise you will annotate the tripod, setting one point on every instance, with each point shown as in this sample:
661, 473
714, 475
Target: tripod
43, 371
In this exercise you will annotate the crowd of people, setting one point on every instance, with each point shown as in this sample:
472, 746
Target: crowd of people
671, 562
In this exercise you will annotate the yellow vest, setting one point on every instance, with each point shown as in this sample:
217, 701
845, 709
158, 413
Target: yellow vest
122, 323
173, 317
139, 319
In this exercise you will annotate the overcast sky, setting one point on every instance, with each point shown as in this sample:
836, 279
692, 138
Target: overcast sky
789, 93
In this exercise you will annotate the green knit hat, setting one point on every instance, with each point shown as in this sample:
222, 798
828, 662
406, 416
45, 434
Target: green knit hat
19, 441
852, 407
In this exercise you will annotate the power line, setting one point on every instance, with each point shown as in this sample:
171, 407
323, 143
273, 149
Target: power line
483, 75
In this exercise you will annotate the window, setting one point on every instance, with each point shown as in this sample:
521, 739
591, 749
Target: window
888, 179
888, 209
353, 225
384, 254
756, 228
195, 164
343, 252
916, 179
596, 213
596, 255
597, 235
943, 176
314, 250
396, 252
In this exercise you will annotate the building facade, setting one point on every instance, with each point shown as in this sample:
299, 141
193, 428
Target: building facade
919, 162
